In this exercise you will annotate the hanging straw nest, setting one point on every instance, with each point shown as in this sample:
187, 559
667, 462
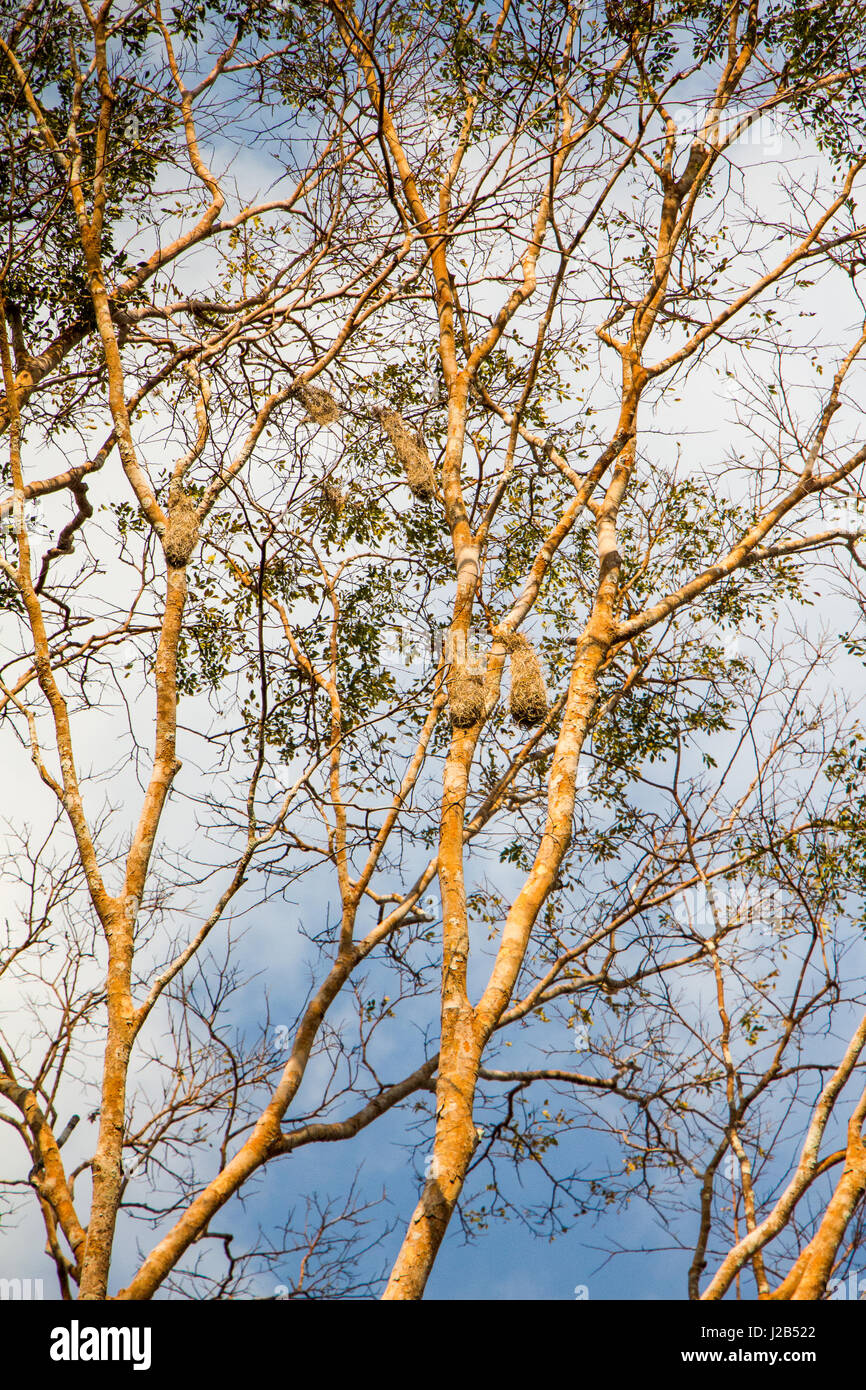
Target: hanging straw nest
412, 453
319, 404
466, 694
181, 533
528, 703
333, 498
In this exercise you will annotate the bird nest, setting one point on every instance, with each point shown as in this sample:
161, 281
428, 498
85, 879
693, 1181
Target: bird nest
466, 694
528, 700
319, 404
412, 454
333, 499
181, 532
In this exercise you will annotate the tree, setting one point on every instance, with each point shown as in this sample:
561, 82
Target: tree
382, 416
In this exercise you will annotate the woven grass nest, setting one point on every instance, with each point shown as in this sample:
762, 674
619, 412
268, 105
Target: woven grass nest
333, 498
466, 693
319, 404
412, 454
181, 533
528, 701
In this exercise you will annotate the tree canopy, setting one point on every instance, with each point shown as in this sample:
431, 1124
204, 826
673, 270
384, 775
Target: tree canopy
432, 516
